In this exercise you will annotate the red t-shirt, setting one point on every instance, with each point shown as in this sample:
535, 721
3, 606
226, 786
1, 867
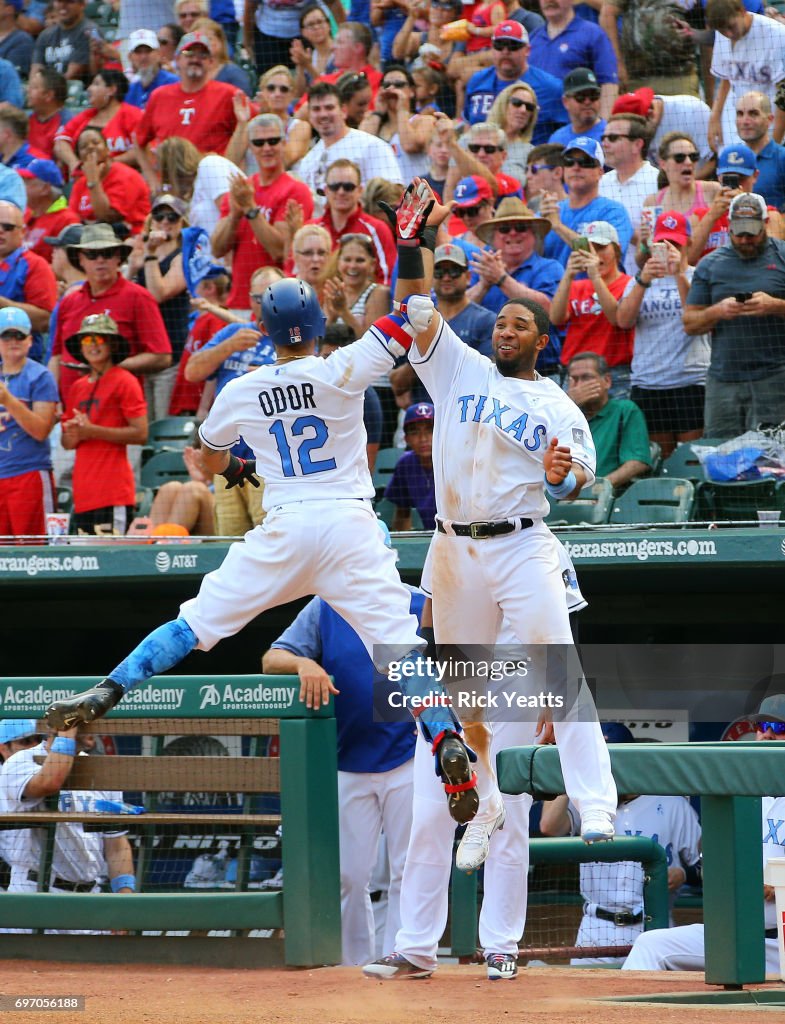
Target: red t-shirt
361, 223
126, 191
185, 395
102, 472
133, 309
589, 330
118, 130
205, 118
373, 75
41, 134
248, 255
48, 224
482, 19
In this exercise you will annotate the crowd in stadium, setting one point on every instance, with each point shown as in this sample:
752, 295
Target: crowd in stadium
618, 163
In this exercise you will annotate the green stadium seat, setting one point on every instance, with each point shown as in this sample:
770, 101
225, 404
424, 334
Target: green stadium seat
385, 510
144, 501
171, 432
591, 508
76, 91
386, 461
162, 467
655, 455
658, 500
684, 463
738, 501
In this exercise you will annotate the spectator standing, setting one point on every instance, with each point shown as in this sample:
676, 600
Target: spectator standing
617, 424
144, 53
105, 290
515, 111
26, 279
269, 28
47, 91
753, 126
587, 305
312, 50
582, 161
683, 193
224, 69
15, 150
481, 152
351, 53
581, 99
65, 46
201, 180
253, 225
667, 114
653, 48
16, 45
411, 484
115, 119
106, 190
745, 386
28, 406
668, 366
105, 412
47, 207
567, 42
472, 322
276, 88
311, 248
394, 120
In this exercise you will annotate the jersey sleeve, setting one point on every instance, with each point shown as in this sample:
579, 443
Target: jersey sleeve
220, 431
687, 840
356, 366
438, 367
303, 637
572, 430
73, 128
45, 388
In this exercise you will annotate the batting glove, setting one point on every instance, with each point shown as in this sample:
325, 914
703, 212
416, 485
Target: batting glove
238, 471
416, 310
408, 219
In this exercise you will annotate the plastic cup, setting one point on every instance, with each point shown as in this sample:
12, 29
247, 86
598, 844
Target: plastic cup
768, 517
57, 525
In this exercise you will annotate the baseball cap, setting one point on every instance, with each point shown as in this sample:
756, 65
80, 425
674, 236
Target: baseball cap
601, 232
508, 186
580, 79
450, 254
470, 191
44, 170
772, 709
615, 732
191, 39
422, 412
747, 213
587, 145
16, 728
737, 159
511, 30
14, 319
169, 199
71, 235
142, 37
638, 102
672, 226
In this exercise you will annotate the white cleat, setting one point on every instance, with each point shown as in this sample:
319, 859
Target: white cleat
473, 848
597, 827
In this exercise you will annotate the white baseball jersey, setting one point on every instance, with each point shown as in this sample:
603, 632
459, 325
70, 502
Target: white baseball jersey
304, 421
491, 433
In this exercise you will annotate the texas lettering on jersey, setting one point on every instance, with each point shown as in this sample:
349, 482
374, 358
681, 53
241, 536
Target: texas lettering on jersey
482, 409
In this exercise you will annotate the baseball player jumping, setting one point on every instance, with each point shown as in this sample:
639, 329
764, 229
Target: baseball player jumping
302, 417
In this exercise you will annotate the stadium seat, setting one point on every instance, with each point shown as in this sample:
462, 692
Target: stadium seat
385, 510
655, 455
386, 461
591, 508
162, 467
684, 463
658, 500
738, 501
171, 432
76, 93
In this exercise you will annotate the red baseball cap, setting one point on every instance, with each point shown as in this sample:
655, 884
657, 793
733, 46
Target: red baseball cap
672, 226
471, 191
638, 102
511, 30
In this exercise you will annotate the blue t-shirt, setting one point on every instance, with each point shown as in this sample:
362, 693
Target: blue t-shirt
138, 94
21, 158
474, 325
19, 452
598, 209
17, 49
771, 174
484, 86
412, 486
364, 745
12, 187
566, 134
582, 44
10, 85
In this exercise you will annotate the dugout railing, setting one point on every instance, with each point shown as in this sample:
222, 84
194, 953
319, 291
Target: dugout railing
308, 906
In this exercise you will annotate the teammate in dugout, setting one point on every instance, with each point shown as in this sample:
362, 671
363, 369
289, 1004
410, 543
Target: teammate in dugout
302, 417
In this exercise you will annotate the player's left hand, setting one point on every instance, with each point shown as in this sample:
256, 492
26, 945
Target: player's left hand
315, 685
557, 461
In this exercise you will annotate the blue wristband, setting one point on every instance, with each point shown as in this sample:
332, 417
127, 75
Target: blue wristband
123, 882
63, 745
567, 486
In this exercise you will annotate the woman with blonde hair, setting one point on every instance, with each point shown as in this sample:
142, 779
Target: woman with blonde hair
202, 180
224, 70
515, 111
311, 247
274, 96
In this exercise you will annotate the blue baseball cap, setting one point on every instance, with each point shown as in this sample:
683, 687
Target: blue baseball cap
17, 728
589, 146
422, 412
737, 159
615, 732
14, 319
44, 170
471, 191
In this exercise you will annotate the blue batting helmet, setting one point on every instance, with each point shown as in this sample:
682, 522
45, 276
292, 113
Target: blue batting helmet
291, 312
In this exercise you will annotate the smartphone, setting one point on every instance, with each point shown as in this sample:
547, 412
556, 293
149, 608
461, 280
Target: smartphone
743, 296
580, 244
659, 250
730, 180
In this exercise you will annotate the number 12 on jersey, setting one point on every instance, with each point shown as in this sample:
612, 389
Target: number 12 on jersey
306, 447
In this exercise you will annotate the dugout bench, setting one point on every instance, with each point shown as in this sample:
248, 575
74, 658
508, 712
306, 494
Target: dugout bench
308, 906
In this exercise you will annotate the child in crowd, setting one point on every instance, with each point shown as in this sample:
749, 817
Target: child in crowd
412, 485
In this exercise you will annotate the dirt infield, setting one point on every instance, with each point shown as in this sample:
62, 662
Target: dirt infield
134, 994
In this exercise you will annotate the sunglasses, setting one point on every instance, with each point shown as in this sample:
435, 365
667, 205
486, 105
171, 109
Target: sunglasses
516, 102
166, 42
585, 97
93, 339
519, 228
271, 87
536, 168
579, 161
12, 336
778, 728
100, 254
266, 142
471, 211
9, 227
342, 186
452, 272
397, 84
614, 137
680, 158
507, 44
481, 147
159, 216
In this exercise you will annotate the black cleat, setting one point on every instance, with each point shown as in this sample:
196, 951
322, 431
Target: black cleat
84, 707
460, 782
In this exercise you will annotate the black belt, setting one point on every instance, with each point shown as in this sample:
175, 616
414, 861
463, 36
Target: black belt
481, 531
62, 883
623, 919
771, 933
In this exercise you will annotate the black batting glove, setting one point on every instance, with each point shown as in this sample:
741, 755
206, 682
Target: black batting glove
238, 471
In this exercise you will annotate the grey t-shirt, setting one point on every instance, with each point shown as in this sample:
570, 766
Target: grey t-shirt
59, 47
748, 347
